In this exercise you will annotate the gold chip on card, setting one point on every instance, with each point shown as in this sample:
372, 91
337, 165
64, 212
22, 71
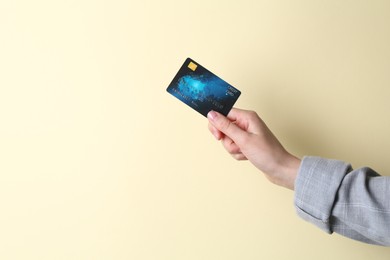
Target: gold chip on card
192, 66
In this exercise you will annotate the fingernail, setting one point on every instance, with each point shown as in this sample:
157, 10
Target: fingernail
212, 115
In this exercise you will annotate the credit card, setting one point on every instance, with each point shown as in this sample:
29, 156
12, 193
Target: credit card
202, 90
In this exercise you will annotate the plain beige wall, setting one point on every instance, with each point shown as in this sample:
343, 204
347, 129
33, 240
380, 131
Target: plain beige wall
97, 161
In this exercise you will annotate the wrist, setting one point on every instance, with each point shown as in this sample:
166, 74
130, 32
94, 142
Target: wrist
286, 171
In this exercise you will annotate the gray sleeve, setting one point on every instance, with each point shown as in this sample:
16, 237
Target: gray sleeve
336, 198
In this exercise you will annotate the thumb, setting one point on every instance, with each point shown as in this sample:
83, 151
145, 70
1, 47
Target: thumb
226, 126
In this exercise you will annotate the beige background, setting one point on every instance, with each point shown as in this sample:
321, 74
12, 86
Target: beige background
97, 161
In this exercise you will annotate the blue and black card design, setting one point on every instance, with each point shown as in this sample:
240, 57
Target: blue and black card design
202, 90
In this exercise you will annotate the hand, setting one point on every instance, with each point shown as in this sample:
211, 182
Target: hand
246, 137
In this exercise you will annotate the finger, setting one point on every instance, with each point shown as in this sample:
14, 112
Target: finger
239, 157
234, 114
230, 145
215, 132
226, 126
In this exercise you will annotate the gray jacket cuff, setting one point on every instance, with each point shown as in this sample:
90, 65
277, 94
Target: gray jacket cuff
316, 189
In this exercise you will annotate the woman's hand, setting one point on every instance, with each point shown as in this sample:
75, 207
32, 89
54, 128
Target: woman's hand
246, 137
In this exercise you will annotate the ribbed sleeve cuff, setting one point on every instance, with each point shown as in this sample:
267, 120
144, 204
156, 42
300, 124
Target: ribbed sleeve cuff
316, 189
